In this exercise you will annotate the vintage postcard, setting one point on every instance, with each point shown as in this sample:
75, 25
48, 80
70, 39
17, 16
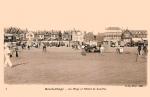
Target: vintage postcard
74, 48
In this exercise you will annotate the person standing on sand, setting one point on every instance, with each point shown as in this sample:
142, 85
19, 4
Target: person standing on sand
16, 50
83, 52
145, 50
139, 49
121, 50
118, 49
7, 52
101, 49
44, 47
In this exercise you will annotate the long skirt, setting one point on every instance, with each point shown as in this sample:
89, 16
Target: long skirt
83, 52
7, 61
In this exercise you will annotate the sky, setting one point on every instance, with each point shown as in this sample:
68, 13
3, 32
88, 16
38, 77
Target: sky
85, 15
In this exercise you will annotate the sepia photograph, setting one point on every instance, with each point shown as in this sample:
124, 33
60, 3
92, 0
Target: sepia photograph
116, 56
97, 48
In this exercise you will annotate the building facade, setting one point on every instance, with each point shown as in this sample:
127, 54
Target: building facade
112, 36
115, 37
130, 37
78, 36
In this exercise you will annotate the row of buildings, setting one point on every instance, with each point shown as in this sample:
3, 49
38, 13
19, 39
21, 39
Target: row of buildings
112, 36
117, 36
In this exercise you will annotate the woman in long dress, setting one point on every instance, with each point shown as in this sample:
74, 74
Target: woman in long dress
121, 50
83, 52
101, 49
7, 52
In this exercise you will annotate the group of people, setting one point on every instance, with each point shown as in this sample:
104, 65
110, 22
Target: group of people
142, 49
84, 48
9, 51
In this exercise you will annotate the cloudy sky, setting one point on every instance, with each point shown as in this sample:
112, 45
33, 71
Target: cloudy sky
89, 15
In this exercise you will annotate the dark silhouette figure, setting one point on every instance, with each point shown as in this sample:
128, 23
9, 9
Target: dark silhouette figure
145, 49
44, 48
139, 49
16, 50
28, 47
